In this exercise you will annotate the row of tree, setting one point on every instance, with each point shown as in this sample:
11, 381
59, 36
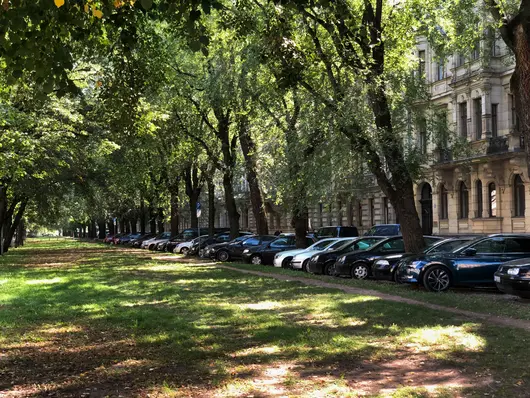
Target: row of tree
132, 109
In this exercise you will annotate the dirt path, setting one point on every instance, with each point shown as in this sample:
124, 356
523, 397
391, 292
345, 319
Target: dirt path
493, 319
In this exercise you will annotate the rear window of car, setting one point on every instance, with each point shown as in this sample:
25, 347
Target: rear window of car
365, 243
281, 242
517, 245
268, 238
348, 231
329, 231
385, 230
446, 247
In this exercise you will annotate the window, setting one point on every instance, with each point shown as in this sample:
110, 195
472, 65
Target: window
393, 245
281, 242
476, 51
477, 104
518, 196
460, 60
491, 245
360, 213
372, 211
440, 70
463, 195
462, 110
421, 66
494, 122
515, 118
479, 199
423, 142
443, 203
365, 244
385, 210
492, 195
251, 242
517, 245
446, 247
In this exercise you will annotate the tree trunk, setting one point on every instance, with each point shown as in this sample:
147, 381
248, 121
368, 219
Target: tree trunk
300, 222
211, 207
248, 147
102, 229
14, 224
21, 234
230, 203
134, 227
110, 224
152, 219
160, 219
122, 224
193, 191
142, 217
174, 192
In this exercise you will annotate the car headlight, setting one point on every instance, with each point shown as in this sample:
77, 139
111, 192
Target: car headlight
246, 250
341, 259
315, 258
276, 255
372, 258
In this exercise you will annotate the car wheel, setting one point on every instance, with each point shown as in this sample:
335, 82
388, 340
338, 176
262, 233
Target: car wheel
185, 250
255, 259
395, 277
202, 253
223, 256
437, 279
360, 271
329, 269
286, 263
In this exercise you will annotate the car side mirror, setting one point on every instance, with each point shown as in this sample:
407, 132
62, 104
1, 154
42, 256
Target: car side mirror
470, 251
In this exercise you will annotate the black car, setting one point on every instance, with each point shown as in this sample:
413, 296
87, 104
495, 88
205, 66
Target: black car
200, 247
513, 277
264, 254
384, 230
358, 264
127, 238
322, 263
234, 250
385, 267
137, 242
472, 264
336, 232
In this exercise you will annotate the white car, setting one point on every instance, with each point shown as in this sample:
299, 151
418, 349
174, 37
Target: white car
184, 247
300, 260
283, 259
157, 239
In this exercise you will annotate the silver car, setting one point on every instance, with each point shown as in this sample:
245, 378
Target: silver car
283, 259
300, 260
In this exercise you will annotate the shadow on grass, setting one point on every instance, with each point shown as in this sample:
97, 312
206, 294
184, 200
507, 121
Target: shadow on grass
112, 324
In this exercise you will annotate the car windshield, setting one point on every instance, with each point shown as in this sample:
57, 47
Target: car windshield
445, 246
322, 244
465, 244
329, 231
341, 244
242, 238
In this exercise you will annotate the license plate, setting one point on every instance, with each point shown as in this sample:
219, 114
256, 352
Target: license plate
513, 271
497, 279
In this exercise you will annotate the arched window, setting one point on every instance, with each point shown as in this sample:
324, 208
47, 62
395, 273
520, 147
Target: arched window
479, 199
518, 197
492, 195
444, 214
463, 195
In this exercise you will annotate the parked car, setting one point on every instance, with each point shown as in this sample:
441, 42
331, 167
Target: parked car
336, 232
385, 267
384, 230
138, 241
183, 247
264, 254
283, 259
234, 250
108, 238
301, 260
199, 247
513, 277
126, 239
358, 264
146, 244
473, 263
323, 263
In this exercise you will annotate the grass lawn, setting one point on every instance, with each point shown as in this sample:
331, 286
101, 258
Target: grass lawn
487, 301
79, 319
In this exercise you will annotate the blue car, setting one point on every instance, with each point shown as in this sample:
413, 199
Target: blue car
471, 264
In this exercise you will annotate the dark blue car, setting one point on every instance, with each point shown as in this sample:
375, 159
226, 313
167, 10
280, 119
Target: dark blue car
471, 264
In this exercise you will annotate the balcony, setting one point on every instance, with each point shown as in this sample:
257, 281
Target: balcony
444, 155
497, 145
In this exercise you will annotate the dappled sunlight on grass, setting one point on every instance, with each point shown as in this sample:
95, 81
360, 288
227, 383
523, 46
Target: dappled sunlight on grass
129, 326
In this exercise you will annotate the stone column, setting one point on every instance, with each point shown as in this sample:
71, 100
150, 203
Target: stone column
486, 114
